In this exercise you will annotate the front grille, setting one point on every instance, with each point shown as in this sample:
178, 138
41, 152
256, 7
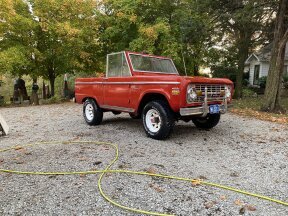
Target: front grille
214, 92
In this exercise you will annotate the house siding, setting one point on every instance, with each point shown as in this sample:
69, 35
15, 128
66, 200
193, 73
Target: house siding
264, 68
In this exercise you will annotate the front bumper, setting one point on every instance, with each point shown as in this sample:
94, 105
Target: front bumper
204, 109
201, 110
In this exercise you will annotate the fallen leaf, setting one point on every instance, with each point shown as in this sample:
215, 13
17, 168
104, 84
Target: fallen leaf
82, 175
223, 197
238, 202
156, 187
251, 208
151, 170
209, 204
275, 129
196, 182
16, 148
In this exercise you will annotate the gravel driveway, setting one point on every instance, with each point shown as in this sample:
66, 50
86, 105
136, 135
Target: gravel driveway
240, 152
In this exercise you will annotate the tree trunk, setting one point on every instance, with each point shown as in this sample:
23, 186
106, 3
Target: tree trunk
243, 51
52, 77
52, 84
44, 90
273, 85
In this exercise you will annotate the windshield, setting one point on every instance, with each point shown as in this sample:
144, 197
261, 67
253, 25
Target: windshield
152, 64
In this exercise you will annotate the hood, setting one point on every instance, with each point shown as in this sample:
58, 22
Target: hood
198, 79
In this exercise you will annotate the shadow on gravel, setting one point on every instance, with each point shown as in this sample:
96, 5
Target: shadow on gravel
119, 120
180, 130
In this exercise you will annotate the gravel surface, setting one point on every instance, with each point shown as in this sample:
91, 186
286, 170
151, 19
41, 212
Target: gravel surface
240, 152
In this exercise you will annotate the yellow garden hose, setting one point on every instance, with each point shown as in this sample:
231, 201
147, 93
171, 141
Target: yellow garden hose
108, 170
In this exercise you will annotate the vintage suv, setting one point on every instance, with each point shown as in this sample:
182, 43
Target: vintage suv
149, 87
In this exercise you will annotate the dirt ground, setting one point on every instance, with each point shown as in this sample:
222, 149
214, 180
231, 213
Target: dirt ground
240, 152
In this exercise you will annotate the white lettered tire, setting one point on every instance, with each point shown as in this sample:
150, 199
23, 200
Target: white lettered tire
92, 113
158, 119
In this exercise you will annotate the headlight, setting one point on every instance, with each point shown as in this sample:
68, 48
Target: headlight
191, 94
228, 92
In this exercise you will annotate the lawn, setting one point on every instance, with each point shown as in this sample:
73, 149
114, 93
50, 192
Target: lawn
250, 106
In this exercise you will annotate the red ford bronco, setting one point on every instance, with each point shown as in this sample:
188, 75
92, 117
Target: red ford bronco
149, 87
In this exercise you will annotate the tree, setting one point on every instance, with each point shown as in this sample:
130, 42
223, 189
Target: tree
241, 24
66, 37
48, 38
274, 79
17, 38
163, 27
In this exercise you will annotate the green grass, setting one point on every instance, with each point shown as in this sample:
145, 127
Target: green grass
255, 103
250, 106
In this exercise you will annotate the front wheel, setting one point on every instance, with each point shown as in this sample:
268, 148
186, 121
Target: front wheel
92, 113
210, 121
158, 120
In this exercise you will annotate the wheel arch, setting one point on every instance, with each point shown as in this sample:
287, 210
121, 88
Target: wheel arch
151, 96
85, 98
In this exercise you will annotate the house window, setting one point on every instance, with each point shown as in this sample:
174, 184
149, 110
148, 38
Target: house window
117, 65
256, 75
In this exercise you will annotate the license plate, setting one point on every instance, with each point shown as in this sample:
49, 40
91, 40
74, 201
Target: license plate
214, 109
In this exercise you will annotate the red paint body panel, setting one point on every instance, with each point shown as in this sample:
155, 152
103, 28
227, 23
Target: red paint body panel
126, 93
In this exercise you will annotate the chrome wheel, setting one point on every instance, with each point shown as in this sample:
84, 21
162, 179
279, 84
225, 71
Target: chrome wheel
153, 120
89, 112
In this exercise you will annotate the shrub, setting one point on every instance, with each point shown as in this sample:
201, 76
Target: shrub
248, 92
2, 101
224, 72
245, 82
262, 82
53, 100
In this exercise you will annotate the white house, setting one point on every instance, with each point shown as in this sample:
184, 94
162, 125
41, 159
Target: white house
258, 64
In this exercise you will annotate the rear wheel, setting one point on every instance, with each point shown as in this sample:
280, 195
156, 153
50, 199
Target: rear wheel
92, 113
158, 120
210, 121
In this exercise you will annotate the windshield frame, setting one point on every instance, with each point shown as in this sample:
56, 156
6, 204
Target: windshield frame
152, 56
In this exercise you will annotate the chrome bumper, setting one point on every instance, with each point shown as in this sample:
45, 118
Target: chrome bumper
204, 109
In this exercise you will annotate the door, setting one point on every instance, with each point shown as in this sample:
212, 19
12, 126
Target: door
117, 83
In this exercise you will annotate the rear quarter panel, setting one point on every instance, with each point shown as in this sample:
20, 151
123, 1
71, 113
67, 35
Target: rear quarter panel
89, 88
